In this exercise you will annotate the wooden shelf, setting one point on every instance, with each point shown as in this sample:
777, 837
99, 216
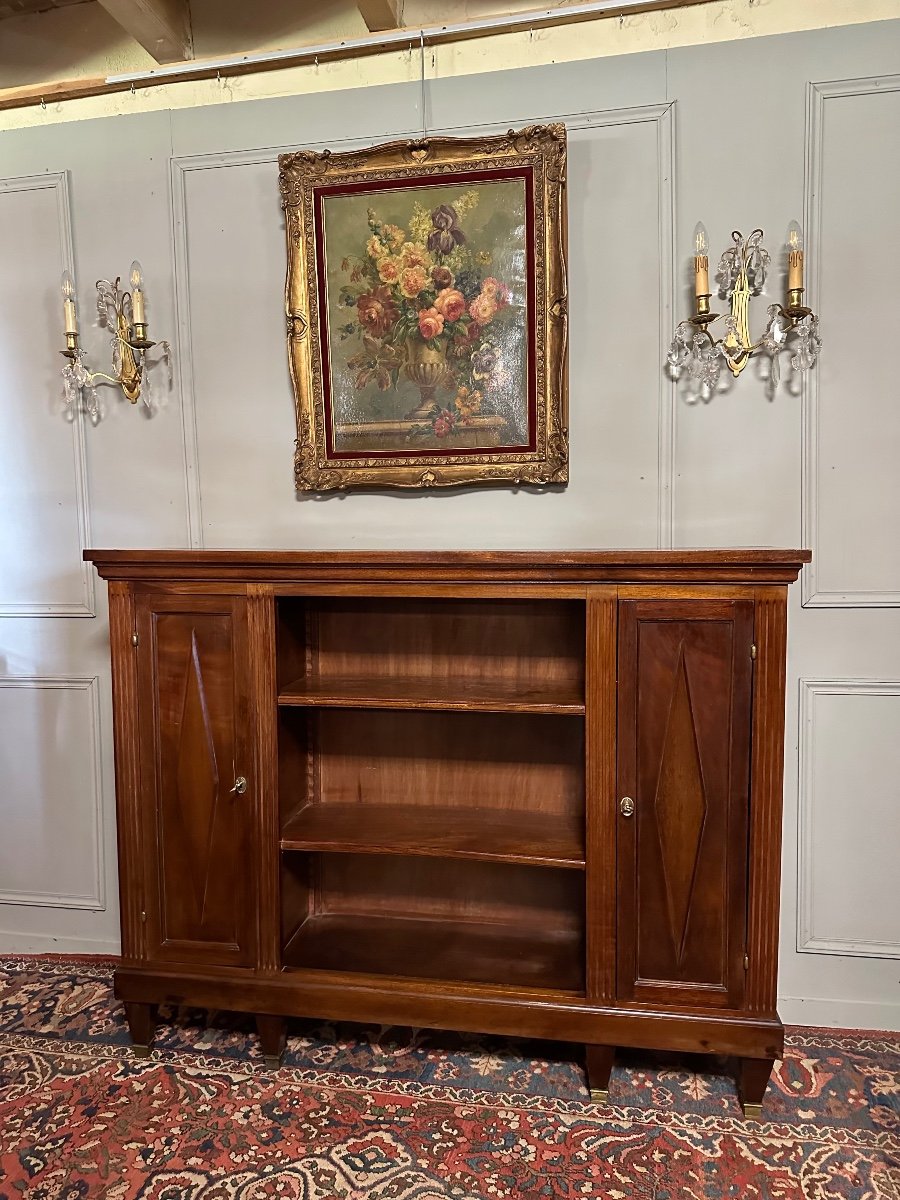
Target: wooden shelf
445, 695
439, 949
490, 834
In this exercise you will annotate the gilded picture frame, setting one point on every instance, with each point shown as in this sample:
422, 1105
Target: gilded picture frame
426, 309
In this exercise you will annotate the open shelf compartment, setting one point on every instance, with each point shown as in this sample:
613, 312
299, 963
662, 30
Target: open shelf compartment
444, 831
488, 786
480, 923
493, 655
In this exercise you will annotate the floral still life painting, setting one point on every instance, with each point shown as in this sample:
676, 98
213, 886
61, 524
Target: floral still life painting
426, 308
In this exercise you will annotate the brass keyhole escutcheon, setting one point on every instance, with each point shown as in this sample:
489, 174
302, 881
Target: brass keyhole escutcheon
626, 806
240, 786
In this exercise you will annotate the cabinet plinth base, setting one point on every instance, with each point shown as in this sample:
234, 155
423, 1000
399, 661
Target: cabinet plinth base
565, 1017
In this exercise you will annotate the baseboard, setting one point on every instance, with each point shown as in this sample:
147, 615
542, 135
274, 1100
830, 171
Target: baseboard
43, 943
839, 1014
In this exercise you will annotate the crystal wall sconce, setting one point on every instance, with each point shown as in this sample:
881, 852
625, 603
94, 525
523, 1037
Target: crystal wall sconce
124, 314
741, 274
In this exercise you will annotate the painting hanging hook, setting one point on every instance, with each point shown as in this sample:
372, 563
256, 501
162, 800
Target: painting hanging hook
422, 82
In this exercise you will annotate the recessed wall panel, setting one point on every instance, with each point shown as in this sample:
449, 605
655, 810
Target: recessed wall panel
42, 486
850, 818
42, 481
853, 443
50, 801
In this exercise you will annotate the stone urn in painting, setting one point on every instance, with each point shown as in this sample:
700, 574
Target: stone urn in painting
426, 366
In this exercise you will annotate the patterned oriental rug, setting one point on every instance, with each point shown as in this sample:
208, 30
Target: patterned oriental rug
396, 1114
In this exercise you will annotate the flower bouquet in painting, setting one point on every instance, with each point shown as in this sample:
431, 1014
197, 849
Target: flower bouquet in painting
427, 311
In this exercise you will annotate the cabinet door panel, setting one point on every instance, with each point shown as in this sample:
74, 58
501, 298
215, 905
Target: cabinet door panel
684, 753
197, 830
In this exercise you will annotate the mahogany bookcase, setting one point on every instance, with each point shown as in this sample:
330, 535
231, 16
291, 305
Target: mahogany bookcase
534, 794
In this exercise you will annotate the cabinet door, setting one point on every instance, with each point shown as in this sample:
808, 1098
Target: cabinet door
197, 829
684, 699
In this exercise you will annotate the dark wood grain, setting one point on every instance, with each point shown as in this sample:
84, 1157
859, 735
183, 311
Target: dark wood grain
491, 834
199, 835
452, 890
600, 792
556, 566
141, 1018
753, 1082
478, 760
767, 780
440, 654
439, 1004
423, 840
599, 1062
261, 648
472, 695
272, 1033
445, 949
684, 752
126, 739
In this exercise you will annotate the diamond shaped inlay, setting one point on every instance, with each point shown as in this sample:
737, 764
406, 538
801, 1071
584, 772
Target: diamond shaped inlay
680, 806
197, 775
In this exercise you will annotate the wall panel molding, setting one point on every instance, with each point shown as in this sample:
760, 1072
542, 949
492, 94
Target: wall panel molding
819, 96
807, 941
85, 604
659, 115
95, 899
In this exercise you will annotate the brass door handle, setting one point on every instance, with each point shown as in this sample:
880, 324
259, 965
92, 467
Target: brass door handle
626, 806
240, 786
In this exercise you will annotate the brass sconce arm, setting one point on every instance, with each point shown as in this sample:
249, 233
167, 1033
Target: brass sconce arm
123, 313
741, 275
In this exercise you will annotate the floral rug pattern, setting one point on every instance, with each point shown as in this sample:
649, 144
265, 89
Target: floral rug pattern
397, 1114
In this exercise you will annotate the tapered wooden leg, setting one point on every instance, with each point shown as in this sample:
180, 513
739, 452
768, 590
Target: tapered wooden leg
754, 1080
272, 1037
599, 1063
141, 1020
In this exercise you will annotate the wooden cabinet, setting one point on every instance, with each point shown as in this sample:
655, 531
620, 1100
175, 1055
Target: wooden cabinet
196, 817
684, 711
534, 794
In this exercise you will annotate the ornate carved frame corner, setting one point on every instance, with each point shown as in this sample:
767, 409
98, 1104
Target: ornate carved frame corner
540, 147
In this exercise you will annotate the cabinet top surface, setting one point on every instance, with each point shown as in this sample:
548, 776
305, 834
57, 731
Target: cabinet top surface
758, 565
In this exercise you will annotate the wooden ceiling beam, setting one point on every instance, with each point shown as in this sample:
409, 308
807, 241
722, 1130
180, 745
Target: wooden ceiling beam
57, 91
163, 27
380, 14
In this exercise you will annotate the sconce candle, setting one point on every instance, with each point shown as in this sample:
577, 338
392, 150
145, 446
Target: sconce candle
137, 293
741, 275
795, 257
67, 287
701, 261
124, 316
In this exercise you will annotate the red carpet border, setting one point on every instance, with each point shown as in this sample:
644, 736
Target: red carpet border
397, 1114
